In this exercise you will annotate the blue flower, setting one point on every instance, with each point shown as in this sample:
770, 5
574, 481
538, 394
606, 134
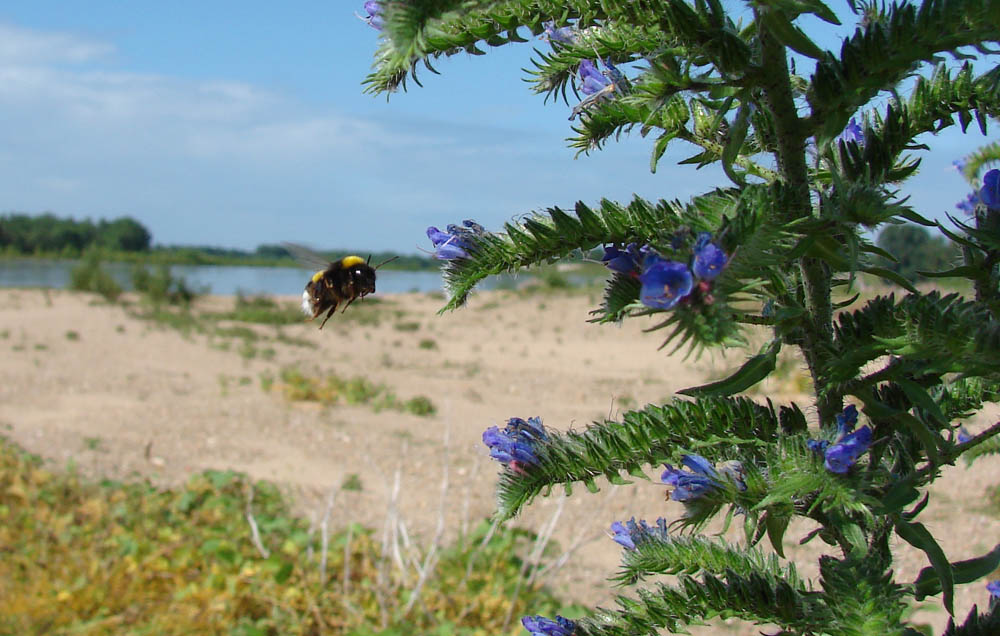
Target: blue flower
968, 205
959, 164
630, 533
562, 35
593, 80
817, 446
456, 242
963, 435
596, 85
709, 259
693, 485
541, 626
847, 420
625, 261
840, 457
447, 246
664, 283
374, 18
989, 194
993, 587
853, 132
622, 535
515, 445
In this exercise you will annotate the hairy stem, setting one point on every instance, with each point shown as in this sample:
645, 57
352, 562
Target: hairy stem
817, 337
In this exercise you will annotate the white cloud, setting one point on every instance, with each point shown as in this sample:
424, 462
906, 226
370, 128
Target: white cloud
24, 46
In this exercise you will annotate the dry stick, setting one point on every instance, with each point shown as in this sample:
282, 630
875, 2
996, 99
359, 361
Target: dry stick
325, 534
581, 540
430, 560
346, 581
254, 531
464, 527
389, 539
533, 557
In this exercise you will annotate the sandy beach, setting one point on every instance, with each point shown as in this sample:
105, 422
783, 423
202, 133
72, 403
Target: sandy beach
88, 382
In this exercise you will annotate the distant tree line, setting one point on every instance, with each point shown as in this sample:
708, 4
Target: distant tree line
49, 234
917, 250
125, 239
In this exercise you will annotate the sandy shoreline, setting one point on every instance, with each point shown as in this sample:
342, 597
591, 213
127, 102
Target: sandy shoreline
124, 397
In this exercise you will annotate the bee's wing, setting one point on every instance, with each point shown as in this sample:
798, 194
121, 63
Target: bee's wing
306, 257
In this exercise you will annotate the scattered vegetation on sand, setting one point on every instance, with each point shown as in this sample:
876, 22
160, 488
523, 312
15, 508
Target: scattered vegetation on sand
222, 554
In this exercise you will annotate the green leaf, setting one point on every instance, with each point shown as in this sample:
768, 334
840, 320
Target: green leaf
928, 582
964, 271
890, 275
919, 537
900, 495
791, 35
753, 371
854, 535
737, 135
919, 396
776, 526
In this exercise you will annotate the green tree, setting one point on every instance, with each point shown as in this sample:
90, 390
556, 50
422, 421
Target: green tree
916, 250
813, 162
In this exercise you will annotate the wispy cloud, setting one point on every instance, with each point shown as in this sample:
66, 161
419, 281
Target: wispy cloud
24, 46
184, 155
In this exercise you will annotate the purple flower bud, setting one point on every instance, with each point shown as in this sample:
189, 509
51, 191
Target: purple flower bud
630, 534
963, 435
840, 457
541, 626
817, 446
374, 18
847, 420
968, 205
664, 283
853, 132
621, 535
993, 587
989, 194
516, 444
562, 35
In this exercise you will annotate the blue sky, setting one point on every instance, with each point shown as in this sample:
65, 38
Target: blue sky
236, 124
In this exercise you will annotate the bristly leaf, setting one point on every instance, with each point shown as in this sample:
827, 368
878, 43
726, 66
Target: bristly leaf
545, 237
718, 428
753, 371
882, 53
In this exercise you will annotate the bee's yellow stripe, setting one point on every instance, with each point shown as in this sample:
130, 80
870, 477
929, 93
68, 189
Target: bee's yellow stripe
348, 261
318, 275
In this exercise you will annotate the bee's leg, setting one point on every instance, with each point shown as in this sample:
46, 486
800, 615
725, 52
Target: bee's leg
328, 314
347, 305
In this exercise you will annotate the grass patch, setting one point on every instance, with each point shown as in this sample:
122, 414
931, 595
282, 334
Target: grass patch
428, 343
406, 326
262, 310
332, 389
160, 287
89, 276
352, 483
72, 335
88, 558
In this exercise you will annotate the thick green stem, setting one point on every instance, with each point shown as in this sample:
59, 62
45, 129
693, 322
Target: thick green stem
817, 336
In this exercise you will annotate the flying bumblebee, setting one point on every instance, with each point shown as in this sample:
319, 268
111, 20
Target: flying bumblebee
338, 282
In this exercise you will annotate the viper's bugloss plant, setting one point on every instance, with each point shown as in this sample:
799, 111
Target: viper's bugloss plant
814, 144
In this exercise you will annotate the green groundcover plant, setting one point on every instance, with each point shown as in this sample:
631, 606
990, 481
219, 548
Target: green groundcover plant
814, 144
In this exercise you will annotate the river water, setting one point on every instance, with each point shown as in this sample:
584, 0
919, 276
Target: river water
215, 279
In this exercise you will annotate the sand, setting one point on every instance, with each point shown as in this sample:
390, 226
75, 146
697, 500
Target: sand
87, 382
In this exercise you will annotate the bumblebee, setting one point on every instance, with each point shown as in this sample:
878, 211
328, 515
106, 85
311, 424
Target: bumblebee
342, 281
